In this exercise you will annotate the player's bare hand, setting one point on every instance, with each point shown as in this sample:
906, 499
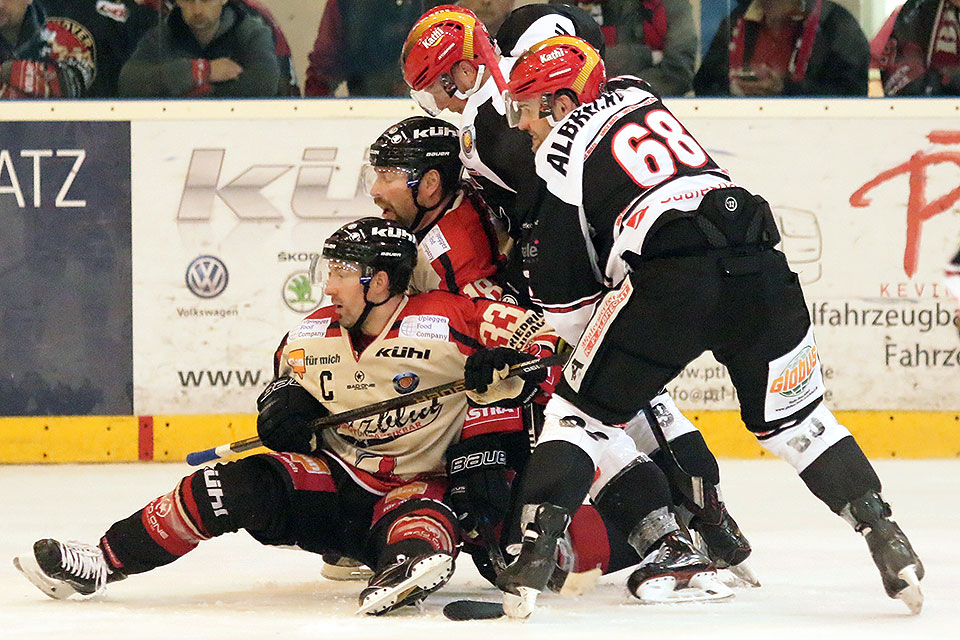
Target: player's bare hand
223, 69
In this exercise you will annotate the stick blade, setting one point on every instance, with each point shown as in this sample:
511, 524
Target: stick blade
462, 610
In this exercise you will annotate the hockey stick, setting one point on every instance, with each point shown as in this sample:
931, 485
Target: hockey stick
440, 391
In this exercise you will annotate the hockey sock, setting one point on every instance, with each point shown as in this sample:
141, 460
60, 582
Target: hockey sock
694, 457
205, 504
559, 473
841, 474
629, 498
416, 533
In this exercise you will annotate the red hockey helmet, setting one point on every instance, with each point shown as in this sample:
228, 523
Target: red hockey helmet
561, 62
442, 37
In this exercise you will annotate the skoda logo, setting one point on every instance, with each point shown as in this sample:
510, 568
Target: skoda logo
299, 293
207, 277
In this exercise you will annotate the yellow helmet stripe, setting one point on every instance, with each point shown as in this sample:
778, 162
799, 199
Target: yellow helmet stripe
445, 16
593, 58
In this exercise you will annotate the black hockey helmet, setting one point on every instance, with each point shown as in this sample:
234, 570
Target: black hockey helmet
417, 145
375, 244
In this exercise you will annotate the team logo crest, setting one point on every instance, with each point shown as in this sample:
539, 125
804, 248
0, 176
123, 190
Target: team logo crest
466, 140
406, 382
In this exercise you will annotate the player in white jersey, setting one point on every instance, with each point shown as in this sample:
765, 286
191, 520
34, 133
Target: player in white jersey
647, 255
447, 64
370, 489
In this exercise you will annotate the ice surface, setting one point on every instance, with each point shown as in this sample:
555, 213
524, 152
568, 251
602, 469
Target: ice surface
819, 581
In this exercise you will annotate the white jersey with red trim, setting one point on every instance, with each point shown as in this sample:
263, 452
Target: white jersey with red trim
425, 343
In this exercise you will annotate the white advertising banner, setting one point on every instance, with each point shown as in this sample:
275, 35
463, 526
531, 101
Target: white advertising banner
226, 215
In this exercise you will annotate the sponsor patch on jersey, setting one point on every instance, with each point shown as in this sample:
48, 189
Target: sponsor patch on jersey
794, 380
434, 244
425, 327
406, 382
466, 140
299, 360
593, 335
113, 10
310, 329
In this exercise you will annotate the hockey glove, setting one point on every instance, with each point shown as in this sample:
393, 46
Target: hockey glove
479, 492
485, 376
285, 411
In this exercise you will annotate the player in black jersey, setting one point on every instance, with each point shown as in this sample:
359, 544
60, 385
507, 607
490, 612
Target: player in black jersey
647, 256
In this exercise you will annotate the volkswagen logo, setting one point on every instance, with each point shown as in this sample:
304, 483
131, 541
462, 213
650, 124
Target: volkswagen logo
207, 277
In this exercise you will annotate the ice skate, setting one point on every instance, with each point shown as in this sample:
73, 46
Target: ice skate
726, 545
406, 582
564, 580
62, 569
900, 567
525, 577
676, 572
337, 567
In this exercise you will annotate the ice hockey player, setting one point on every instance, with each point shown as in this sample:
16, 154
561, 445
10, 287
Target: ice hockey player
370, 489
451, 73
673, 259
414, 178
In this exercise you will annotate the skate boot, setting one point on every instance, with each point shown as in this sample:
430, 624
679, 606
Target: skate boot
672, 569
900, 568
722, 539
543, 525
62, 569
338, 567
564, 580
405, 582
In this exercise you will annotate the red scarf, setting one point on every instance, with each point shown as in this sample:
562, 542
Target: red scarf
945, 35
654, 29
802, 48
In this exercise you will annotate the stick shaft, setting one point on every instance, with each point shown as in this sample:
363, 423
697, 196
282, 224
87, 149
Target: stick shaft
439, 391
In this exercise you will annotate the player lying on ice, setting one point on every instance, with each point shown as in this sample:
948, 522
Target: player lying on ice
371, 489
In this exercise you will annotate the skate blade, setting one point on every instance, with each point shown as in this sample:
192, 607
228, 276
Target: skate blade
336, 572
912, 596
702, 587
743, 576
56, 589
520, 606
428, 574
578, 584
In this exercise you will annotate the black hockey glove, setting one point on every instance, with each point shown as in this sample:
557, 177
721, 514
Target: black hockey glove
484, 374
285, 411
479, 492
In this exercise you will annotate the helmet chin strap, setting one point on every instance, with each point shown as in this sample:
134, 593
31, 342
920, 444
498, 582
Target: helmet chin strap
368, 307
463, 95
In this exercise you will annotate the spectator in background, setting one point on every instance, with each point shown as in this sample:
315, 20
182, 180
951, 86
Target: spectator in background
786, 47
653, 39
922, 54
204, 48
288, 85
104, 34
492, 13
34, 62
358, 42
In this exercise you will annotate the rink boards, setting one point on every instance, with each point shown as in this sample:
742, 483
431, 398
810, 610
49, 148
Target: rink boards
203, 217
